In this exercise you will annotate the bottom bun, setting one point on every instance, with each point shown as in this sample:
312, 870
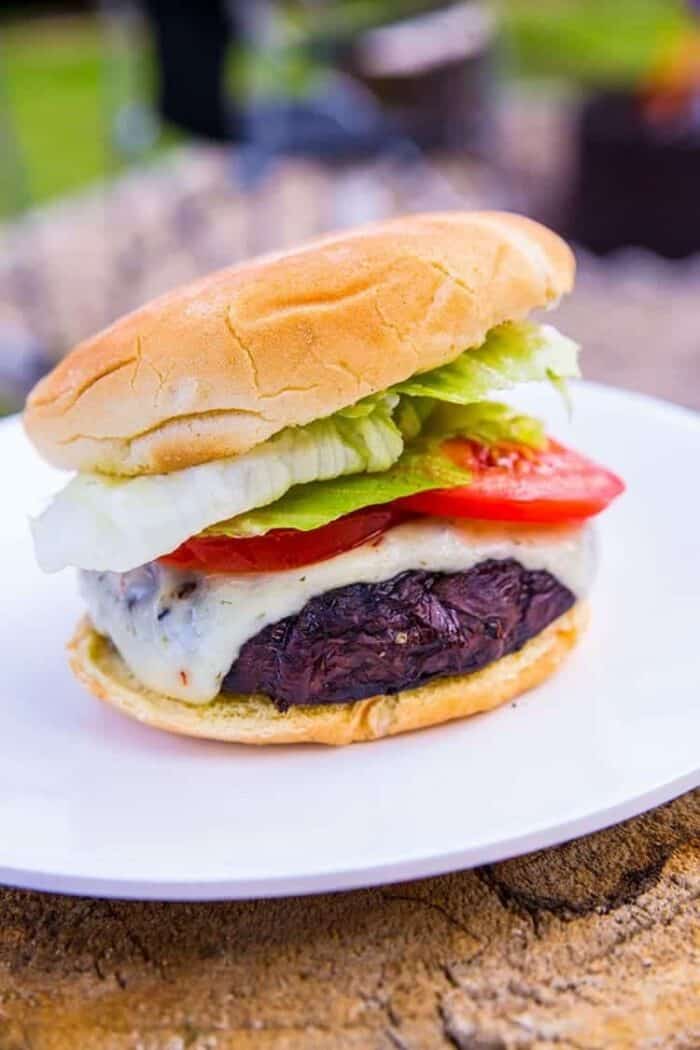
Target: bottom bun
256, 720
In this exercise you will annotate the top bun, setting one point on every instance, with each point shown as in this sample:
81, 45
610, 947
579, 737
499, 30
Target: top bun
218, 366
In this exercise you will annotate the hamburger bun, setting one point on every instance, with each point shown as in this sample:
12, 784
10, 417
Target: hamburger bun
256, 720
218, 366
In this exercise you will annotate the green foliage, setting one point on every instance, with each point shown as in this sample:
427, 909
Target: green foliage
54, 94
51, 77
593, 41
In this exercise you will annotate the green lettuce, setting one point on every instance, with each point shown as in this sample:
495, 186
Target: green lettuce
511, 354
412, 413
488, 422
422, 467
310, 506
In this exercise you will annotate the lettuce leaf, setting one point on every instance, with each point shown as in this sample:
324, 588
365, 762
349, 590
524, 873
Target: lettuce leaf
412, 413
98, 522
512, 354
310, 506
421, 467
488, 422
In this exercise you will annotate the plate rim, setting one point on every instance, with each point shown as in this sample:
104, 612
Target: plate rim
383, 874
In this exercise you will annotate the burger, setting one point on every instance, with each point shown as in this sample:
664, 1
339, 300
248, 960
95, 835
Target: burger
301, 511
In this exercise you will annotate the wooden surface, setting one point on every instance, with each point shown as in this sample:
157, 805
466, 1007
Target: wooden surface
591, 946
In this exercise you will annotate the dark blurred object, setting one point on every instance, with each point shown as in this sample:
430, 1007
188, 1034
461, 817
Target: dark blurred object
637, 183
340, 125
638, 180
192, 38
434, 74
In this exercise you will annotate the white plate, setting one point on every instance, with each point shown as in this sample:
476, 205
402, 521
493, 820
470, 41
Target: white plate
91, 802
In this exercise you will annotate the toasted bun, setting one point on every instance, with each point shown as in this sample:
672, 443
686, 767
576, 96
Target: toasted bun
216, 367
256, 720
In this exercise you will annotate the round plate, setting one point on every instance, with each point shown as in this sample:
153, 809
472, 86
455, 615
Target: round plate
91, 802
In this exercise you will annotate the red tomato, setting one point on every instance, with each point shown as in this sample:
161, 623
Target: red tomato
515, 484
285, 548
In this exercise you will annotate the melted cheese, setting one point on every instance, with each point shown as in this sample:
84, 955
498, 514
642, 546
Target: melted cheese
180, 632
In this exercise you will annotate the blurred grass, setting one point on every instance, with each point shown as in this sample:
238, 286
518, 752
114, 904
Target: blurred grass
52, 81
51, 72
591, 41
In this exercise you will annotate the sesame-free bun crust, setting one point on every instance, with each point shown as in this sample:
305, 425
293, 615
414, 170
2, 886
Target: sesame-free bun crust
256, 720
218, 366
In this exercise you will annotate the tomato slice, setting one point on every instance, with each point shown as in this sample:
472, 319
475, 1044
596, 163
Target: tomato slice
285, 548
516, 484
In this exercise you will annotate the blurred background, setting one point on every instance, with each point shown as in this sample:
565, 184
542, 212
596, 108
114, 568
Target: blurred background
143, 143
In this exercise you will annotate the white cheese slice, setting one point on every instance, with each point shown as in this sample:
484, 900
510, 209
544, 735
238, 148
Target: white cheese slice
180, 632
